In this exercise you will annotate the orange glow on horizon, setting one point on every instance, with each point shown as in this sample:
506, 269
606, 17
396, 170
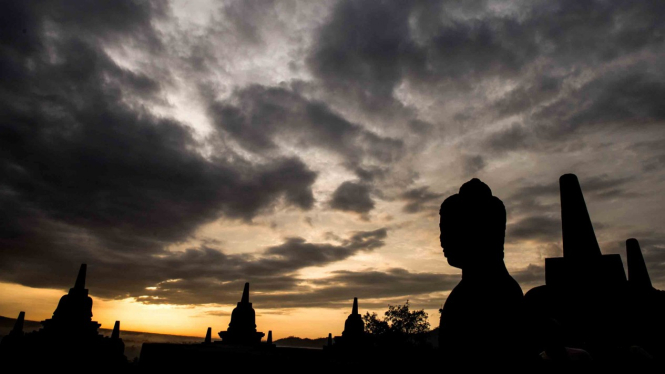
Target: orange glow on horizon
188, 320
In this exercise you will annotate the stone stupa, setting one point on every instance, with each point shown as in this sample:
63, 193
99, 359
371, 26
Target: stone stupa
582, 264
584, 289
643, 317
354, 329
13, 341
242, 328
73, 316
70, 338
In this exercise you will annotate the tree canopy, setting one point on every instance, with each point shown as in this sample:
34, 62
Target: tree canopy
398, 320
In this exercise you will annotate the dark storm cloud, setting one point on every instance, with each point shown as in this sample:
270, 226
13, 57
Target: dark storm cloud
24, 22
371, 174
472, 164
352, 197
654, 150
628, 99
296, 253
418, 199
258, 117
597, 186
533, 89
529, 277
245, 18
87, 173
618, 101
367, 49
342, 286
538, 209
540, 228
194, 276
334, 291
514, 138
361, 50
395, 283
206, 275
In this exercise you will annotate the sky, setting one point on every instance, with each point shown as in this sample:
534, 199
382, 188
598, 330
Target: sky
183, 148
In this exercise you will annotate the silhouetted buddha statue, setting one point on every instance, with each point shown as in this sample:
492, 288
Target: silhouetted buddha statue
242, 328
481, 321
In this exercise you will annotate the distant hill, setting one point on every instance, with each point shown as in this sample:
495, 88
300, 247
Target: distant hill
296, 342
132, 339
292, 341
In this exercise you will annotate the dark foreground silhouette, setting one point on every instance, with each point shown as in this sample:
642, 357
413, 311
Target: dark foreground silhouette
588, 315
485, 311
70, 339
588, 310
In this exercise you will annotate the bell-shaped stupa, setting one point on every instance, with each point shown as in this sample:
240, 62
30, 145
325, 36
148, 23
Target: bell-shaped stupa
73, 316
242, 328
70, 338
354, 329
354, 325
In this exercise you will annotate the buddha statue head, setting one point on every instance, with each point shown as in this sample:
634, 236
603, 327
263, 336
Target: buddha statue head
473, 226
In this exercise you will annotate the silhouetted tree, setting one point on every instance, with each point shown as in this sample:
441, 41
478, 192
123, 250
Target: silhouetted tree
374, 325
400, 326
407, 322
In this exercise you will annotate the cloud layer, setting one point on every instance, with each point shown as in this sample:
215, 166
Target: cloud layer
127, 127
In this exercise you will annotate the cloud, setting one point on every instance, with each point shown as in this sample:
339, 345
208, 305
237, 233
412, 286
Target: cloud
296, 253
260, 117
544, 56
352, 197
195, 276
654, 157
87, 172
373, 287
342, 286
472, 164
529, 277
625, 99
207, 275
416, 199
218, 313
104, 21
514, 138
94, 167
361, 50
537, 211
597, 186
540, 228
